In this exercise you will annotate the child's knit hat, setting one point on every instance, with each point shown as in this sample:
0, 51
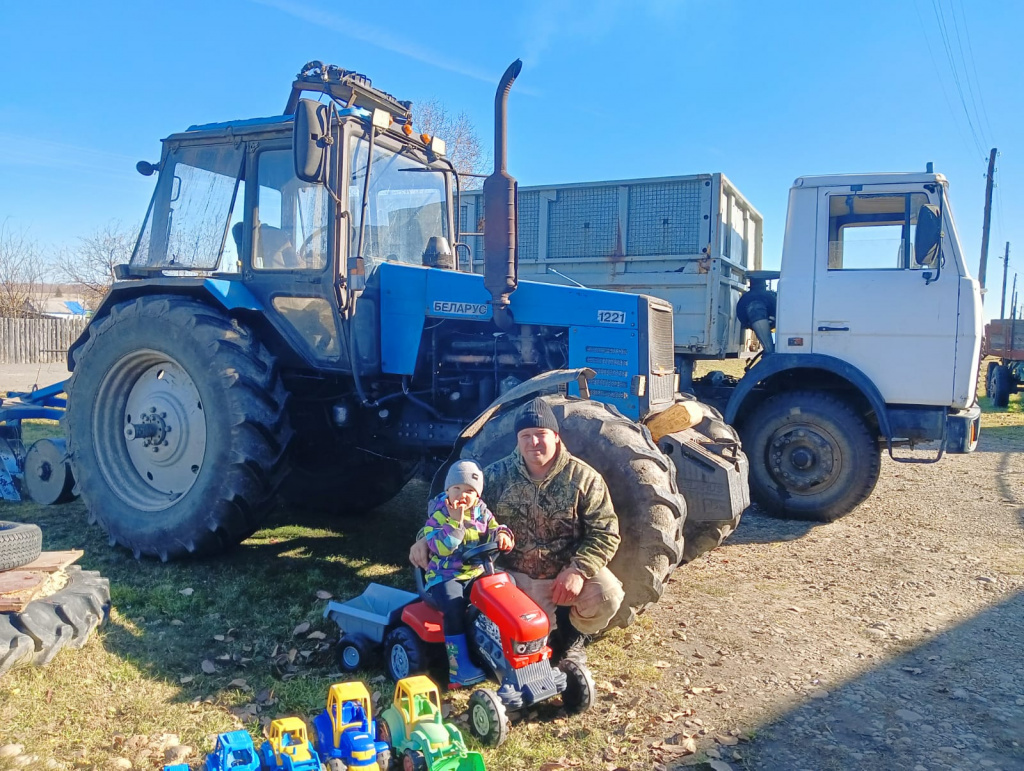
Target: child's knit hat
465, 472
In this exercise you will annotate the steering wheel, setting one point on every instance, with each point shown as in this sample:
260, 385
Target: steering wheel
481, 553
307, 245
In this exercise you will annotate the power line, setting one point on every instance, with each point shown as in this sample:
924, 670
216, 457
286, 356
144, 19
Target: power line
963, 65
944, 33
974, 69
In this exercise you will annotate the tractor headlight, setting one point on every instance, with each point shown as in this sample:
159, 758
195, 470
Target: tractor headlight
529, 647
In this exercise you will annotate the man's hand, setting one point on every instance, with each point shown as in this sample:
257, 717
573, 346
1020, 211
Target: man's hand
505, 541
419, 555
567, 586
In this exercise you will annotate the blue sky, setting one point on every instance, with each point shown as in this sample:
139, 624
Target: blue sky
763, 92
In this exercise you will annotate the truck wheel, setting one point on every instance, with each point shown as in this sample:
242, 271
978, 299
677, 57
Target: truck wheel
353, 652
487, 719
177, 428
413, 760
20, 544
1000, 385
640, 478
812, 456
404, 653
580, 691
989, 372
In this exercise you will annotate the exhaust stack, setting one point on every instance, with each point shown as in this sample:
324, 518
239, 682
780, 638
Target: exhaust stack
501, 254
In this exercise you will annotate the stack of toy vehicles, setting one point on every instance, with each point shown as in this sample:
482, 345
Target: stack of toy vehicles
346, 730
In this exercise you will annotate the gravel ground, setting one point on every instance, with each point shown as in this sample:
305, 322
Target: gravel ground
889, 639
21, 377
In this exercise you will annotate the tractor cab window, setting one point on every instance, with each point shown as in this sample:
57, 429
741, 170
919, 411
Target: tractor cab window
187, 227
291, 217
873, 232
406, 205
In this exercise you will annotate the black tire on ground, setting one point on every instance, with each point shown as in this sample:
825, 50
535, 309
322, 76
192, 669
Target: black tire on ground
723, 440
640, 479
171, 374
812, 456
404, 653
580, 691
989, 372
1001, 386
353, 652
65, 618
16, 647
20, 544
488, 720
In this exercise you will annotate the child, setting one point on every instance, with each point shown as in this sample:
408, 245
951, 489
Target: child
456, 520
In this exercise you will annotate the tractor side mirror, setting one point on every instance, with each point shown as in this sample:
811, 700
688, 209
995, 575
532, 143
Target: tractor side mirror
311, 140
928, 235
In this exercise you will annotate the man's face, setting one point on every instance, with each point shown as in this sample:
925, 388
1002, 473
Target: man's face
538, 446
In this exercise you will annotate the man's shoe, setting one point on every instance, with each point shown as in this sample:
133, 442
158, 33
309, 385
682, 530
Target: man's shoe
569, 642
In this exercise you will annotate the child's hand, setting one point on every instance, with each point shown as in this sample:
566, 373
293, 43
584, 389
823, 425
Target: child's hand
505, 542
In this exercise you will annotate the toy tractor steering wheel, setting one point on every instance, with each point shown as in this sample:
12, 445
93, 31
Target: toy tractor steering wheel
482, 554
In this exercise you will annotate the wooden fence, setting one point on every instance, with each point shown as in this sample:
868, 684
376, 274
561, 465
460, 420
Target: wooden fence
37, 341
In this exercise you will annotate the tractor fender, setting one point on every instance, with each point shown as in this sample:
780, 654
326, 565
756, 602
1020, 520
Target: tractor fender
778, 363
232, 296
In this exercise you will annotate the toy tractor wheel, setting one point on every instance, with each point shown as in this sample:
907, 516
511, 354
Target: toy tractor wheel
384, 759
640, 478
404, 653
413, 760
487, 719
353, 652
336, 764
177, 428
580, 692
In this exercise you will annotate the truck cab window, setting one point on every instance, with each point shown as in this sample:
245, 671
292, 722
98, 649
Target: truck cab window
291, 217
872, 231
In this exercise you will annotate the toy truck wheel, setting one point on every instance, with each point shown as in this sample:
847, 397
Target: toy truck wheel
20, 544
580, 692
487, 719
812, 456
177, 429
384, 759
353, 652
413, 760
404, 653
1000, 386
640, 478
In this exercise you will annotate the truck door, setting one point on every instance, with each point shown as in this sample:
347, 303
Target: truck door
872, 305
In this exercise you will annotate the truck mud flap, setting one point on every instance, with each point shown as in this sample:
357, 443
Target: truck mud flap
715, 486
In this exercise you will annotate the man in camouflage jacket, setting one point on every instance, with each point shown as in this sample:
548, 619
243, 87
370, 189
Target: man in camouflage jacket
565, 528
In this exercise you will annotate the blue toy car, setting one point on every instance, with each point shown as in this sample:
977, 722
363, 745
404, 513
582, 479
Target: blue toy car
234, 751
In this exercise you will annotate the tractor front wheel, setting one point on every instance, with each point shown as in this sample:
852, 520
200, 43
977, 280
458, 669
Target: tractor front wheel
177, 428
488, 721
413, 760
580, 691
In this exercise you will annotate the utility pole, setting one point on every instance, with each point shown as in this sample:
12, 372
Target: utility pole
988, 218
1006, 265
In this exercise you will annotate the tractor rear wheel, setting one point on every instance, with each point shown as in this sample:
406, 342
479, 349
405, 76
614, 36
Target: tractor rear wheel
177, 428
640, 479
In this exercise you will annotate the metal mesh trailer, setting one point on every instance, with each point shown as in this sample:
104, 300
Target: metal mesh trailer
690, 240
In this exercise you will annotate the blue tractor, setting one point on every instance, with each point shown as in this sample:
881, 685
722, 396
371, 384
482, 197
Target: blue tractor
300, 318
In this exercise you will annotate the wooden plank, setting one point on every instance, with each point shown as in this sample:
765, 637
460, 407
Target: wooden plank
678, 417
52, 561
12, 581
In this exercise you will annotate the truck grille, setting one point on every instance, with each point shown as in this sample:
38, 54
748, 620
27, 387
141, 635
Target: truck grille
662, 353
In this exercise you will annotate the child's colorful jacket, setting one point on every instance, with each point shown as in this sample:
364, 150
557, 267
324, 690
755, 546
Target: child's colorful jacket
447, 537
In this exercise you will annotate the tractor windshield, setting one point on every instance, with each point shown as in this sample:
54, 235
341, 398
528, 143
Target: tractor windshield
406, 205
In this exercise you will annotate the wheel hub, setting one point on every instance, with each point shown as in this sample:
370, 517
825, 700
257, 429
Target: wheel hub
481, 720
801, 458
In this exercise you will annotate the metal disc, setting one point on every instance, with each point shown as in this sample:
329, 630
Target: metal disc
48, 478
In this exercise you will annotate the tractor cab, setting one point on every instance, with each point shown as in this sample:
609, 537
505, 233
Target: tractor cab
288, 737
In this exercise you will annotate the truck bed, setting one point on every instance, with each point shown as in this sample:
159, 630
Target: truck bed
689, 240
998, 341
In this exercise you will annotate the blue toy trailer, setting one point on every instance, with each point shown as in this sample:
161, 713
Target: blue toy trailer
365, 620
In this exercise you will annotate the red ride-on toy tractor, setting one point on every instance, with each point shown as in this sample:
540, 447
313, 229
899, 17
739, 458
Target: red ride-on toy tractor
507, 633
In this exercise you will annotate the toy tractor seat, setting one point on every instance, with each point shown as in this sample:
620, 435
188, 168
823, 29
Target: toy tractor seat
352, 715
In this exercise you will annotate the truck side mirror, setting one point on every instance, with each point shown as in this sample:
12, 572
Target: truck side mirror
311, 140
928, 235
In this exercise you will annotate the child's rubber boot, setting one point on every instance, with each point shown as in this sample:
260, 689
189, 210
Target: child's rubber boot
461, 671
